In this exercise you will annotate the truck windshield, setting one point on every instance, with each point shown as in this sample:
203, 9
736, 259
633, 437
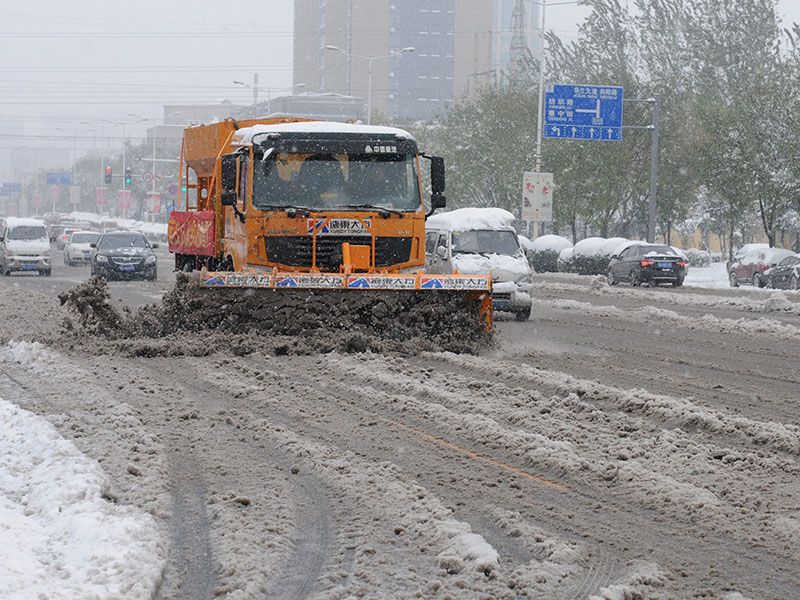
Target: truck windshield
485, 241
27, 232
326, 181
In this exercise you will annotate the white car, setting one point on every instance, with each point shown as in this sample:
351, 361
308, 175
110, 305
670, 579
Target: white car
477, 241
24, 246
78, 249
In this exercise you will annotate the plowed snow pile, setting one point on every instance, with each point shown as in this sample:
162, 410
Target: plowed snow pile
277, 321
62, 537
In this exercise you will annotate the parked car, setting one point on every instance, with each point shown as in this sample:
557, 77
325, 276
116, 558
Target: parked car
748, 268
78, 249
124, 255
24, 246
482, 240
651, 264
785, 275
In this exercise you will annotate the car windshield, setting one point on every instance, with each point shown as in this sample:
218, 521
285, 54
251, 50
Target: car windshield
122, 241
84, 238
485, 242
325, 181
27, 232
790, 261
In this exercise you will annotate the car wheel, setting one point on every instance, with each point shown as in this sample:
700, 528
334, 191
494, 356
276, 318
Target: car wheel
611, 279
634, 279
523, 315
677, 283
46, 273
757, 281
794, 283
771, 282
733, 280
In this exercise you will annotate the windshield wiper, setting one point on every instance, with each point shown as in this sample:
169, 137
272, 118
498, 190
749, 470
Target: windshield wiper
393, 211
303, 210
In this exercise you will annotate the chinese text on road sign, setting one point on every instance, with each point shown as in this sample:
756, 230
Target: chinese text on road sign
584, 112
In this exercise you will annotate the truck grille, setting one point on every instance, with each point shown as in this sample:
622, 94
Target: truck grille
296, 251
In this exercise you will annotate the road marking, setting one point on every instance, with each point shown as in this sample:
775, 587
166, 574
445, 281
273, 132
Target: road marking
554, 485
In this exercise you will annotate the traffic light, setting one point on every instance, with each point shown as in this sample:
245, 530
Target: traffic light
128, 177
108, 176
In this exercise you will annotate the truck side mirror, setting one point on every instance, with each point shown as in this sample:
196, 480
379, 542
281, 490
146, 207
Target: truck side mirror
228, 179
437, 176
441, 251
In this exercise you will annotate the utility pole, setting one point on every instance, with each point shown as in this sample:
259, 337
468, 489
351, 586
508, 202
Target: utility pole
651, 208
540, 113
255, 91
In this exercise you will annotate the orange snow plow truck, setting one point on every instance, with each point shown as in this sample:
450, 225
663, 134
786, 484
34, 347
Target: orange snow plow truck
312, 210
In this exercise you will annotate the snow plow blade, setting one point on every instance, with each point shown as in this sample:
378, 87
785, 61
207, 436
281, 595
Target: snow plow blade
394, 306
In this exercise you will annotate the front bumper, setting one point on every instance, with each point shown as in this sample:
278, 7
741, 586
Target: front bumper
28, 263
511, 297
112, 270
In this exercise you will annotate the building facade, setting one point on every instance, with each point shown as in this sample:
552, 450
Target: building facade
458, 46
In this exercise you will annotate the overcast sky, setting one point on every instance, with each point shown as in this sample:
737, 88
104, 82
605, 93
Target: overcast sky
68, 67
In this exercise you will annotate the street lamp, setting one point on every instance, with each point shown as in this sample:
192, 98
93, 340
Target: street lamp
370, 60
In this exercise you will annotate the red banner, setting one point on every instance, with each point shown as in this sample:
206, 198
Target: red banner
55, 194
154, 201
36, 201
101, 196
124, 200
192, 232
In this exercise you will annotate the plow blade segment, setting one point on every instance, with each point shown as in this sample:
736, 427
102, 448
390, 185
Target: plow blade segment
451, 311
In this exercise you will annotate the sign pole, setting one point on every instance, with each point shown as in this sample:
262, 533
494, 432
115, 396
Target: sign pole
541, 94
651, 209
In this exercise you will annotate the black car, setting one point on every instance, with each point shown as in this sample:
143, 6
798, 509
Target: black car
786, 275
124, 255
650, 264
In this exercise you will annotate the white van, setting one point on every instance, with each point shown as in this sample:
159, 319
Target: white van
478, 241
24, 246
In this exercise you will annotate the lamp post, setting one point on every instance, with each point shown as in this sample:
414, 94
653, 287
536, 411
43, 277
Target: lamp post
371, 60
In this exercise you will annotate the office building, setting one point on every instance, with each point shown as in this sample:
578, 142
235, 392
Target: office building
458, 46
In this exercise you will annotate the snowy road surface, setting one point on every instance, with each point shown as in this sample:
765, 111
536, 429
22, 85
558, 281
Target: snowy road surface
623, 443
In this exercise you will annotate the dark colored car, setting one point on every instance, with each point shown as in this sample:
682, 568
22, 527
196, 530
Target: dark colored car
124, 255
750, 267
786, 275
650, 264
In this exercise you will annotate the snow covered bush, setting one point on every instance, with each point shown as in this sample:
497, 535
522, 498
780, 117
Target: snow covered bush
698, 258
565, 262
545, 251
592, 255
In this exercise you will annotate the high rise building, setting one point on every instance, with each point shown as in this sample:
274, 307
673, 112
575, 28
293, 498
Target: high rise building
458, 46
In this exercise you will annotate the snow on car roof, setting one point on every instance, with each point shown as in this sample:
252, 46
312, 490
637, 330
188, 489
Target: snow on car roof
467, 219
245, 135
23, 221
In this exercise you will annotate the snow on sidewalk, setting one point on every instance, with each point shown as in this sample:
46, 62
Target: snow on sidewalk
61, 540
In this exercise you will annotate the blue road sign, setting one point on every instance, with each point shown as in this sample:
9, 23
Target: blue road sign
584, 112
59, 178
9, 189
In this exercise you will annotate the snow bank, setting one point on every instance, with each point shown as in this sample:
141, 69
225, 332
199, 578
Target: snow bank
61, 537
466, 219
566, 254
555, 243
525, 243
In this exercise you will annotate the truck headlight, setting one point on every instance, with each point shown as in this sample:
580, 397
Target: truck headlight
102, 259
